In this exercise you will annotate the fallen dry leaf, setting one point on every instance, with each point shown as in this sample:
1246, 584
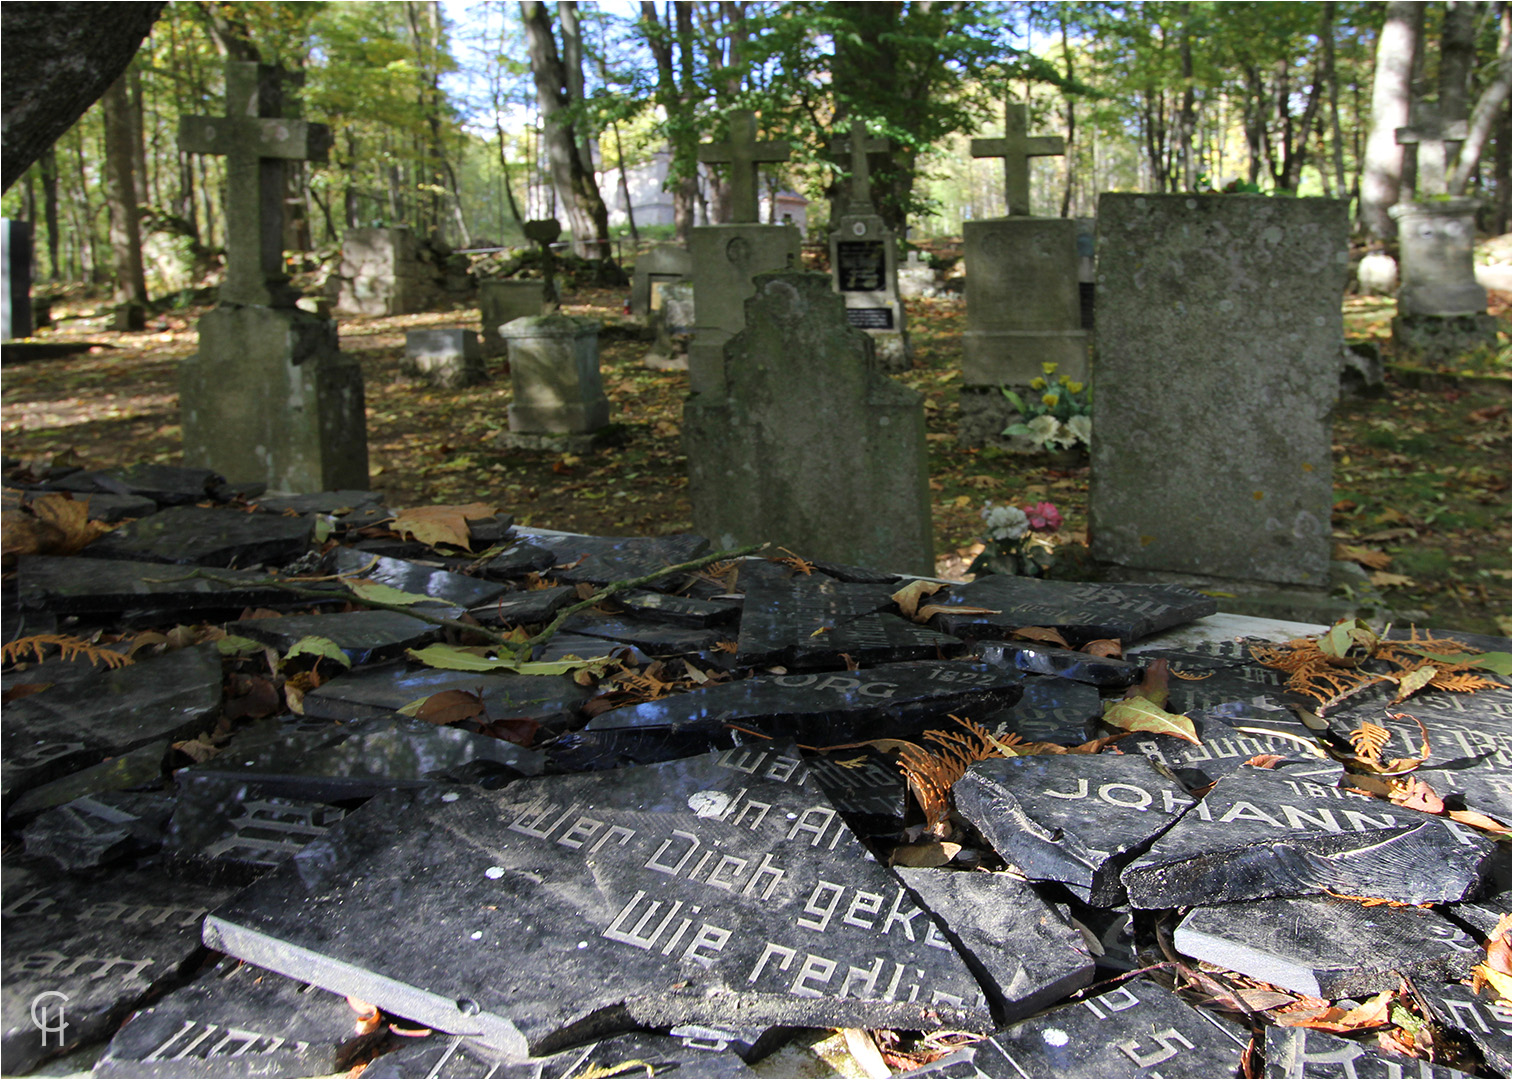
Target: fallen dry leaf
1140, 714
1111, 648
1367, 557
441, 524
1041, 633
926, 853
910, 595
1417, 795
1264, 761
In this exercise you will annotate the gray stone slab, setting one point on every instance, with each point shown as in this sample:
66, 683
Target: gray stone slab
199, 536
166, 485
663, 265
413, 577
1077, 819
554, 376
1487, 1021
445, 1056
1082, 611
1261, 833
1237, 300
788, 919
97, 830
236, 1020
381, 689
364, 636
1304, 1053
338, 503
727, 259
501, 301
98, 586
1023, 952
113, 508
104, 945
1325, 947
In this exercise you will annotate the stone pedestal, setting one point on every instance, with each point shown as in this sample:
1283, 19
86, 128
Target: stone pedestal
1441, 308
554, 372
15, 279
269, 396
501, 301
864, 269
1217, 369
448, 357
662, 265
1023, 307
382, 274
725, 259
916, 278
808, 445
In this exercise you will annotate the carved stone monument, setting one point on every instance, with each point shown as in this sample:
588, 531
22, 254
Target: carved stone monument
554, 372
269, 396
864, 259
502, 300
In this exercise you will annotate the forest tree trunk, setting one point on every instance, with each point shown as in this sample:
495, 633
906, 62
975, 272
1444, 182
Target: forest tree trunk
1390, 96
121, 195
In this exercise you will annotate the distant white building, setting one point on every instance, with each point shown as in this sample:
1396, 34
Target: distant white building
653, 206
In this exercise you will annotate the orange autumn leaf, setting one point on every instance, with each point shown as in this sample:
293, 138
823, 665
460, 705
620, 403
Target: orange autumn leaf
1042, 634
1105, 647
441, 524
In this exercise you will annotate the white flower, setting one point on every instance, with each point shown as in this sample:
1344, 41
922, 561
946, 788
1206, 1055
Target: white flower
1082, 428
1005, 522
1043, 428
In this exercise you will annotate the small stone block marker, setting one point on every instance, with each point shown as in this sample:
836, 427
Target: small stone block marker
1236, 300
448, 358
554, 372
810, 445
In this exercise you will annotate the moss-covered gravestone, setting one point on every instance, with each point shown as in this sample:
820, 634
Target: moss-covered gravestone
809, 445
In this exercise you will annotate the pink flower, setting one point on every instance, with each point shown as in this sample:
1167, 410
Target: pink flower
1044, 517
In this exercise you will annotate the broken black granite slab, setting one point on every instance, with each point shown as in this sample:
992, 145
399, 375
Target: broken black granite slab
1223, 749
167, 485
1051, 710
682, 610
1077, 819
319, 502
1262, 832
1033, 658
866, 786
231, 831
413, 577
236, 1020
1108, 933
600, 560
1136, 1029
828, 708
74, 586
879, 638
364, 636
103, 945
1308, 1054
201, 536
95, 831
380, 689
635, 1054
620, 748
1326, 947
785, 611
113, 508
652, 638
1082, 611
1487, 1021
857, 575
583, 647
713, 890
140, 769
78, 724
1022, 951
519, 559
526, 606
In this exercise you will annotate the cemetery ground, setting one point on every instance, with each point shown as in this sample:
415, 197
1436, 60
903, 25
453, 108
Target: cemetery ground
1421, 472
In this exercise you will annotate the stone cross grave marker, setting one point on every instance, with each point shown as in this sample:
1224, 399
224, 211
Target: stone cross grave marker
858, 146
256, 140
1016, 148
864, 259
743, 153
1430, 136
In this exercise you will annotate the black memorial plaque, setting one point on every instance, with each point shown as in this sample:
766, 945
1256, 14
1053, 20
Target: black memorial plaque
861, 265
870, 318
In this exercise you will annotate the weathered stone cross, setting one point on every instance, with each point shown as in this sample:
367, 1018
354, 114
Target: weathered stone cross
1430, 135
742, 153
1016, 148
859, 146
256, 141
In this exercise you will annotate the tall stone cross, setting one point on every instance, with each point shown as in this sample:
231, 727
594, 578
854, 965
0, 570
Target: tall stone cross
1016, 148
256, 141
859, 146
742, 153
1430, 135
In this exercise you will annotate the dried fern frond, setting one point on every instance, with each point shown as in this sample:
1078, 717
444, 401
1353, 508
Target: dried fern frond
932, 775
797, 562
1463, 682
1368, 741
70, 647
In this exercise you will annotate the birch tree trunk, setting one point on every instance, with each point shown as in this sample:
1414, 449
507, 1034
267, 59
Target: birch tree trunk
1390, 97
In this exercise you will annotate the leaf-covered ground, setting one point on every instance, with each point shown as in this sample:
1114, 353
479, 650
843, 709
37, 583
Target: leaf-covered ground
1421, 474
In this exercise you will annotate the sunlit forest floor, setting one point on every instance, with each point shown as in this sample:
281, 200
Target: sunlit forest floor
1421, 473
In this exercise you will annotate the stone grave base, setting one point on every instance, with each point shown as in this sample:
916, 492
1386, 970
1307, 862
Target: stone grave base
892, 350
1015, 357
559, 444
1442, 337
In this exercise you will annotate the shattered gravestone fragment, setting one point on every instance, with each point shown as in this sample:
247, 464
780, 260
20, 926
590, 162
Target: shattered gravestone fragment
1024, 953
866, 787
200, 536
518, 560
1108, 933
682, 610
722, 889
619, 748
1261, 833
1485, 1019
1222, 749
416, 578
364, 636
103, 945
166, 485
1136, 1029
233, 832
527, 606
828, 708
1037, 659
1051, 710
637, 1054
600, 560
1309, 1054
134, 770
236, 1020
583, 647
94, 831
321, 502
1327, 947
652, 638
113, 508
1077, 818
73, 586
784, 612
1082, 611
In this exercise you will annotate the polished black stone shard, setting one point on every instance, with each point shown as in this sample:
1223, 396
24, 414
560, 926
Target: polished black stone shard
113, 508
338, 503
828, 708
167, 485
236, 1020
1051, 710
1303, 1052
619, 748
525, 607
866, 786
857, 575
74, 586
1077, 819
600, 560
364, 636
879, 638
97, 830
1082, 611
682, 610
1262, 832
103, 945
201, 536
1033, 658
750, 1044
722, 889
140, 769
583, 647
415, 578
1326, 947
785, 612
660, 639
232, 831
78, 724
1245, 690
1022, 951
380, 689
519, 559
1487, 1021
1108, 933
1136, 1029
634, 1054
1223, 749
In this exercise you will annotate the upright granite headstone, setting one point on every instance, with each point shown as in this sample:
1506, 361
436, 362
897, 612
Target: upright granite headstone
501, 301
15, 279
269, 396
662, 265
726, 258
808, 444
1219, 333
864, 259
554, 373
